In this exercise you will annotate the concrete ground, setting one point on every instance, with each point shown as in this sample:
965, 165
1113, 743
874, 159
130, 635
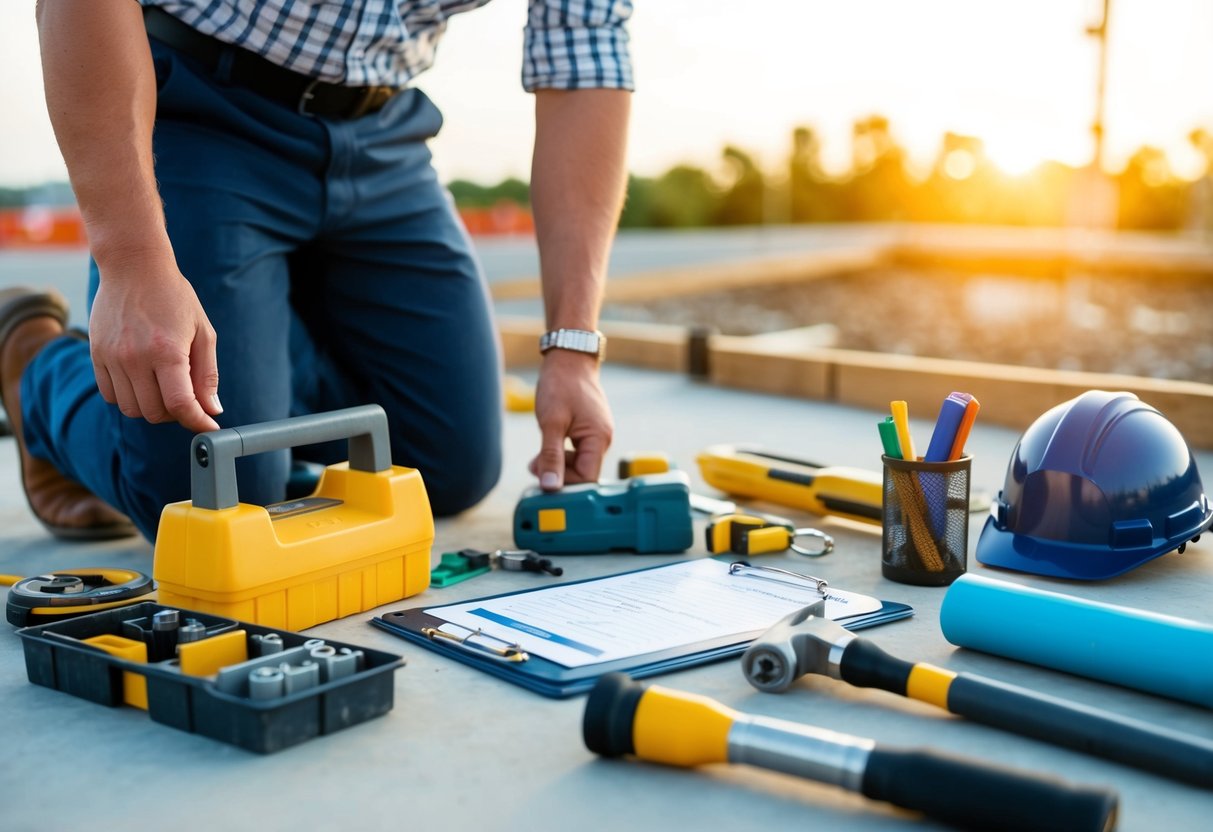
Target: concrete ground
463, 751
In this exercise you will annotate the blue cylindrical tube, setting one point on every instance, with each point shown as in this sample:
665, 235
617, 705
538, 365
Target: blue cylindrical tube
1135, 648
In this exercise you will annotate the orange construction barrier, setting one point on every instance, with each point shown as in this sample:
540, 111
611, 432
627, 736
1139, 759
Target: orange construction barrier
41, 225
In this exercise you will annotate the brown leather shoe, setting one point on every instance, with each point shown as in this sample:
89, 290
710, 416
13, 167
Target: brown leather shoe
28, 320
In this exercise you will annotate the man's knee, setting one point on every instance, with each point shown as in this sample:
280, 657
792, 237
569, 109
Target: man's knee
461, 479
148, 483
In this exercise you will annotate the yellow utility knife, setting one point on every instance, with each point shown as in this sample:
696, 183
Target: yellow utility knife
758, 474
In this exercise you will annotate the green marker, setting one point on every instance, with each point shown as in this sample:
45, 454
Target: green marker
888, 436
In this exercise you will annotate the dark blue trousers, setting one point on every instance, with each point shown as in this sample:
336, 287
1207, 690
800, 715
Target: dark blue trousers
335, 271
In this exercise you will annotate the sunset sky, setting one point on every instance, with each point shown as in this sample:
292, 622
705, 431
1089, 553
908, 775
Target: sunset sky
1020, 74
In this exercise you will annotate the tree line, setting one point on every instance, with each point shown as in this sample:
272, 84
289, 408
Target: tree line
962, 185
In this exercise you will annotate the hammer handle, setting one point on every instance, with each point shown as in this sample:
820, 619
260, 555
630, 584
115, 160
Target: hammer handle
865, 665
1021, 711
1090, 730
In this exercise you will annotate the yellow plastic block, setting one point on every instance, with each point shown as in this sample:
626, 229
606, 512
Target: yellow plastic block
771, 539
134, 685
552, 520
204, 658
369, 548
638, 464
519, 396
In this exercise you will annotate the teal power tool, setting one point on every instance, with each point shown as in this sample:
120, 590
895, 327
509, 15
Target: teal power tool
644, 514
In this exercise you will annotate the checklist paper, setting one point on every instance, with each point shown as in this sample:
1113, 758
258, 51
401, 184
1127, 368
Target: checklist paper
644, 612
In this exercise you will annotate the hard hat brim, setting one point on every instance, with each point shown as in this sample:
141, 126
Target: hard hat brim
1006, 550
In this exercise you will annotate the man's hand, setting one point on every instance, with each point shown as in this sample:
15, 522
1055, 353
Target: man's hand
153, 348
577, 181
569, 402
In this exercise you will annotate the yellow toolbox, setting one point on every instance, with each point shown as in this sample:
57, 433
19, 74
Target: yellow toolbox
361, 540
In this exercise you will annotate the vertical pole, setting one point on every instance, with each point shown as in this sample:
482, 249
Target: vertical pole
1100, 31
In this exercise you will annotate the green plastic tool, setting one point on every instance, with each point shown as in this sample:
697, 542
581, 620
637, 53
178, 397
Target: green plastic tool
459, 566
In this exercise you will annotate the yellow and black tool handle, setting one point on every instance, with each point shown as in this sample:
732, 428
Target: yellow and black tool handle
1068, 724
743, 534
666, 726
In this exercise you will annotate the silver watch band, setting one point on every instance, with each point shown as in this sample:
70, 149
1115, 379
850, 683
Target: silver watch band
577, 340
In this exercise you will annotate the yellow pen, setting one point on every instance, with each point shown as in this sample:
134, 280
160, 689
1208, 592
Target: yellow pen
901, 418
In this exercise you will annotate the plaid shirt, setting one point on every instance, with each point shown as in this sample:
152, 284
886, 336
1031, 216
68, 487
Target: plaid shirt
568, 44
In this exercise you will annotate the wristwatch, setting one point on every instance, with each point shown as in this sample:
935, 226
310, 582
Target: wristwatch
577, 340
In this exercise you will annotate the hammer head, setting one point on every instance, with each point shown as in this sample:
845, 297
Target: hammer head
803, 642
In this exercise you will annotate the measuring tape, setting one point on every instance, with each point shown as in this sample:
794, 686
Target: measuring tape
69, 592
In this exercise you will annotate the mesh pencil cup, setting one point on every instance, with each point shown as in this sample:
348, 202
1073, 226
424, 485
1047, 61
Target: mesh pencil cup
926, 521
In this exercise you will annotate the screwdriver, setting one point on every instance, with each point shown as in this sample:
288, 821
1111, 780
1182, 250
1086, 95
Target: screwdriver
683, 729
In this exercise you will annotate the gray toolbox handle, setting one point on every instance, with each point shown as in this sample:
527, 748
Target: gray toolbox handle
213, 455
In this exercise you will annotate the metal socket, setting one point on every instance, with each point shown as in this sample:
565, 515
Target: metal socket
266, 683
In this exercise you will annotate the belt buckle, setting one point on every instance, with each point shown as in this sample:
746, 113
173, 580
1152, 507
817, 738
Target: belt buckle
309, 92
369, 97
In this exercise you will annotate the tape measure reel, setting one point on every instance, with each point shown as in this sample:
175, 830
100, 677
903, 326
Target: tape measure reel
69, 592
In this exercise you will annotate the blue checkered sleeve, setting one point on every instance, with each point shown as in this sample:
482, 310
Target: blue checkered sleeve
577, 44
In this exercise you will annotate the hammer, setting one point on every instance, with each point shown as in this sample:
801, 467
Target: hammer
808, 642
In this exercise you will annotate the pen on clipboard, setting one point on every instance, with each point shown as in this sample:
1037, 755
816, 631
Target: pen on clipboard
508, 652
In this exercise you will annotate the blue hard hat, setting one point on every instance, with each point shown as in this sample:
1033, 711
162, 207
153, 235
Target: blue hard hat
1096, 486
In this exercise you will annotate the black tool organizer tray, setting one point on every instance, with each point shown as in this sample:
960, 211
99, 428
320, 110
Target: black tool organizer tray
57, 657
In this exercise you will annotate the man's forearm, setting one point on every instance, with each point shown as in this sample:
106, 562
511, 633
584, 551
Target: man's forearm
577, 185
101, 96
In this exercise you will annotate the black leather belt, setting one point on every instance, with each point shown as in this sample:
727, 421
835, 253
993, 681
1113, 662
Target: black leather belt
307, 95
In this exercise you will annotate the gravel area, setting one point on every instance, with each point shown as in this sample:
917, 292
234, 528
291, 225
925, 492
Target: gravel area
1155, 327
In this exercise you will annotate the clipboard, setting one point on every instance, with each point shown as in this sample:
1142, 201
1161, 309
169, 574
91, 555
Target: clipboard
547, 677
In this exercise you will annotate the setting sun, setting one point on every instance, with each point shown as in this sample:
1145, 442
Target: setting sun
1014, 158
1015, 155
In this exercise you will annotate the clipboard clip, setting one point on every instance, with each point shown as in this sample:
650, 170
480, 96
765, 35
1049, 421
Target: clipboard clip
774, 573
506, 653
